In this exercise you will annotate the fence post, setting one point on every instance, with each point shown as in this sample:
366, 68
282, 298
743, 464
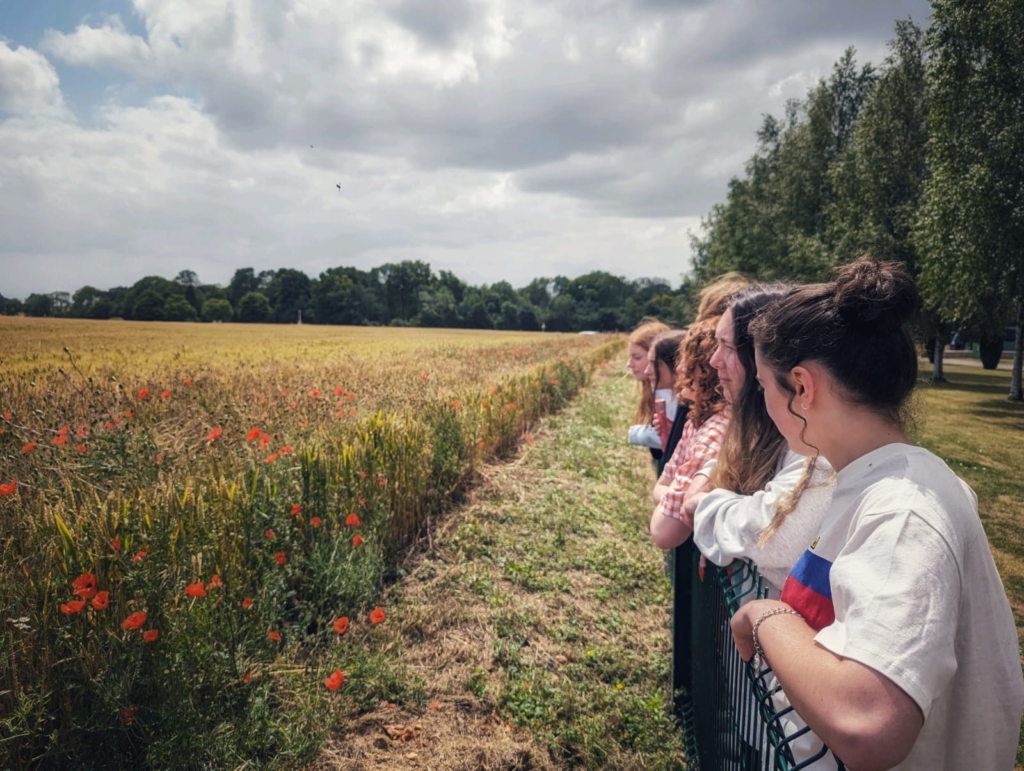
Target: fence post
682, 611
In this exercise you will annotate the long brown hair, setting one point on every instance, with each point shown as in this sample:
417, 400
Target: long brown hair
856, 326
644, 336
752, 445
698, 375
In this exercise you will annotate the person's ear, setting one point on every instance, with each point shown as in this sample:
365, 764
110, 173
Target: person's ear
806, 386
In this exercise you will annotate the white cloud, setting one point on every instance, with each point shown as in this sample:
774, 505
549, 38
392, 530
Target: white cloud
495, 138
29, 84
107, 46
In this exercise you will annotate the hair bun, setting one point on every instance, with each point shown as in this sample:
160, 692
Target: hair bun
872, 293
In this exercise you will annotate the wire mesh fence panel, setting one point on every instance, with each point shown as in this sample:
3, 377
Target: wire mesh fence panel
728, 707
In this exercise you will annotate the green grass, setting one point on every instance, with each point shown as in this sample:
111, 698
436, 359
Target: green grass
969, 423
544, 609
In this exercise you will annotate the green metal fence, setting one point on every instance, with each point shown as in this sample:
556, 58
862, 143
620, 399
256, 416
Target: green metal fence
724, 703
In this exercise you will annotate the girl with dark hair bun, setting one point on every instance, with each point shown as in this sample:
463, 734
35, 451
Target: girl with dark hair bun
893, 641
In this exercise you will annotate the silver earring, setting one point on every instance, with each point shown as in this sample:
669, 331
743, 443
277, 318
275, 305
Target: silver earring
803, 407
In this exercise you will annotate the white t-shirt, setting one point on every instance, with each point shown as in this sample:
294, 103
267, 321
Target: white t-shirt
728, 525
903, 563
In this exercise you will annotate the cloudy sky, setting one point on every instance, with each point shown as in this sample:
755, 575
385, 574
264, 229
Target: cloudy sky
498, 139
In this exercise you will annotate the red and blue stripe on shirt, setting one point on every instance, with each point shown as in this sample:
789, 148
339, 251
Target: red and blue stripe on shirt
808, 591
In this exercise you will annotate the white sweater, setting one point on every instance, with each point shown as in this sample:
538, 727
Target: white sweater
727, 525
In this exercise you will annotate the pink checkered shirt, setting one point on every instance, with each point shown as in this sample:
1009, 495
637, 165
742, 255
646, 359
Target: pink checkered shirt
696, 447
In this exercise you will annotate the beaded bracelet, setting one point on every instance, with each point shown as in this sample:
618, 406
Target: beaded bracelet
768, 613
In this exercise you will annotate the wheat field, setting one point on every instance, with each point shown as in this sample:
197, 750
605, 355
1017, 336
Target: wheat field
187, 510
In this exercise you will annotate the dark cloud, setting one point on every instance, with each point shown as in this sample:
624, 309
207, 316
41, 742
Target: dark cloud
438, 23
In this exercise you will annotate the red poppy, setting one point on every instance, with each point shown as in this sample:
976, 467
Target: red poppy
315, 521
352, 520
511, 405
127, 414
339, 391
275, 636
352, 412
72, 607
270, 533
248, 677
357, 541
481, 444
315, 392
270, 458
554, 382
264, 440
494, 391
296, 509
143, 393
135, 620
115, 545
128, 714
528, 438
423, 377
59, 440
215, 582
8, 416
216, 433
362, 474
292, 405
195, 590
253, 435
138, 557
29, 447
334, 682
9, 488
150, 635
108, 424
350, 395
341, 624
188, 381
457, 404
286, 450
101, 600
377, 616
280, 557
86, 586
486, 405
165, 394
247, 603
80, 447
362, 501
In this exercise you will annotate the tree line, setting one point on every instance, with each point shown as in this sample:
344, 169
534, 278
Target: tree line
920, 160
408, 293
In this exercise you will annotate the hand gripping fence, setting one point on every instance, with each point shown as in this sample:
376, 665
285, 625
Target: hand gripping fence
724, 703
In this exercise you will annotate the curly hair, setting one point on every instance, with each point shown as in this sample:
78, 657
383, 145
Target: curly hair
698, 375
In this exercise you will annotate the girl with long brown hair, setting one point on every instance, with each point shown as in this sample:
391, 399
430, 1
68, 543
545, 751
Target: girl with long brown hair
642, 433
766, 499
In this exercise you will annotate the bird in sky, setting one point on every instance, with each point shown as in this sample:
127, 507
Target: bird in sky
339, 187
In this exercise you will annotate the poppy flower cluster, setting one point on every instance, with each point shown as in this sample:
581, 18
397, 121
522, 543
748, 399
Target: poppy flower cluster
9, 488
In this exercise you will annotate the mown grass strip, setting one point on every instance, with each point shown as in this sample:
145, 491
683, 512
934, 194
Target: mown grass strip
536, 629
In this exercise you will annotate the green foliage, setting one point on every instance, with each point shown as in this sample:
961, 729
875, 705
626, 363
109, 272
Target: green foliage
254, 308
217, 310
38, 305
970, 229
177, 308
149, 307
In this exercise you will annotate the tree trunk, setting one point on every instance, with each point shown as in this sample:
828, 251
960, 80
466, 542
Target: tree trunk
1018, 354
940, 344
